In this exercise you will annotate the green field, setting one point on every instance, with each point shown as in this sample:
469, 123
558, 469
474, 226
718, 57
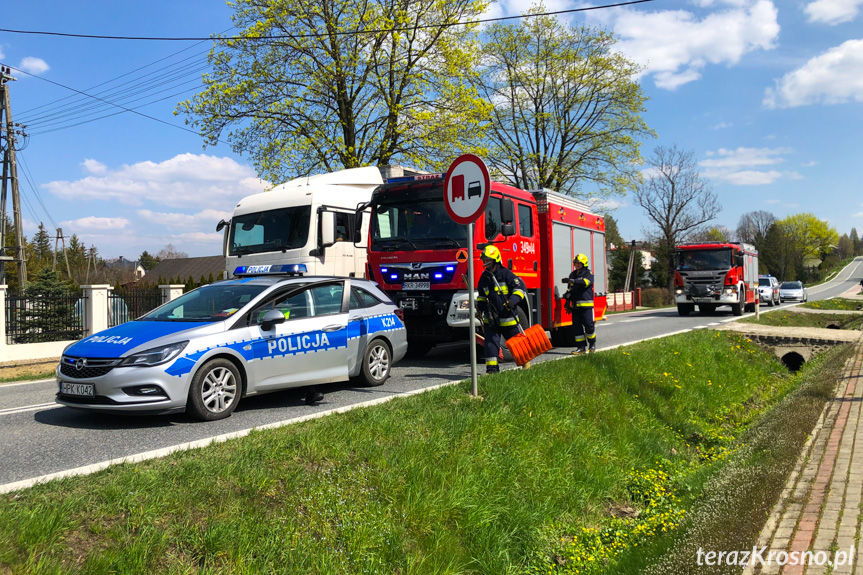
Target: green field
784, 318
587, 465
836, 303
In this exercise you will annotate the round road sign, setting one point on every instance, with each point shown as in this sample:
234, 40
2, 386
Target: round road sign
466, 189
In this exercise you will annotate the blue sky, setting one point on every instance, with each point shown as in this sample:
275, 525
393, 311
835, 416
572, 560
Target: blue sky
768, 94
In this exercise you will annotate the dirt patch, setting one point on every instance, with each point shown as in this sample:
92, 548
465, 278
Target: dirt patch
11, 371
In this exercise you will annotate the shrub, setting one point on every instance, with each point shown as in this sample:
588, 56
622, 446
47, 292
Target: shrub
656, 297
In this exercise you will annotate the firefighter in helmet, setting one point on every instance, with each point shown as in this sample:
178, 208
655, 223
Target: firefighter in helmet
580, 305
498, 303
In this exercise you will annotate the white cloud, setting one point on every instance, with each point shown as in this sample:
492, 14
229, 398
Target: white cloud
736, 166
834, 77
605, 205
722, 126
95, 223
676, 45
774, 201
186, 180
33, 65
809, 164
94, 166
833, 11
205, 219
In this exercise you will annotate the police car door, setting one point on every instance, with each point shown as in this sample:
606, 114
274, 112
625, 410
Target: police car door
310, 346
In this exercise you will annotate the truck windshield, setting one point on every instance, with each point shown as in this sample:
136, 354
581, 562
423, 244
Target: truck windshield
273, 230
414, 224
704, 259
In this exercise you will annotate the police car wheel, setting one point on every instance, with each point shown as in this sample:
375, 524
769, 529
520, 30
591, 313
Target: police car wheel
377, 361
215, 390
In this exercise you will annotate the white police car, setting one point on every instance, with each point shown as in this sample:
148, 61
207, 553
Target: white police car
267, 330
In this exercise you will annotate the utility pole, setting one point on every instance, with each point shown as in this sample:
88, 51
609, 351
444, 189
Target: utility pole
61, 239
10, 174
630, 269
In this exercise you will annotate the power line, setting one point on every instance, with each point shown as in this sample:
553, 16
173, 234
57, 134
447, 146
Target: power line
323, 34
123, 108
29, 177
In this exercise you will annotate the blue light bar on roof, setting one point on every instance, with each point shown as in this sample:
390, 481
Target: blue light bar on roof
286, 269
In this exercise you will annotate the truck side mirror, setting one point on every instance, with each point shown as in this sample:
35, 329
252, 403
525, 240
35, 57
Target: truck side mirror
357, 232
328, 229
740, 260
272, 318
508, 216
221, 225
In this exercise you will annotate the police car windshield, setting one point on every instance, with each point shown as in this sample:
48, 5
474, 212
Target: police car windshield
210, 303
415, 224
273, 230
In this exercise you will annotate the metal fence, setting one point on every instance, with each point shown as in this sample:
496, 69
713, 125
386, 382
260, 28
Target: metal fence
36, 317
127, 304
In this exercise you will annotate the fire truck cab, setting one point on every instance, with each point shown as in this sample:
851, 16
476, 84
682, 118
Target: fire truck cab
713, 274
418, 255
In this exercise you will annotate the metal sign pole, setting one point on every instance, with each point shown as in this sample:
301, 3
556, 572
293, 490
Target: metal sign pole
471, 311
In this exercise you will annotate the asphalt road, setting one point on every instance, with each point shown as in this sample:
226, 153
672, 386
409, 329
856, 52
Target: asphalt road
41, 438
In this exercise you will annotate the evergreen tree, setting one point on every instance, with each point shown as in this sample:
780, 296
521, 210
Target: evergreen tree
855, 240
48, 315
148, 261
43, 255
619, 267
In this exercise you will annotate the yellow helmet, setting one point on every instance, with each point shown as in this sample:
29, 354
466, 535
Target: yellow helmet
581, 258
492, 253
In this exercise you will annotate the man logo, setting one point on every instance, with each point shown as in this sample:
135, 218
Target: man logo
80, 363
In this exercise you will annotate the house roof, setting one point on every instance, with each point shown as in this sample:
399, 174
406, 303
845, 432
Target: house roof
185, 268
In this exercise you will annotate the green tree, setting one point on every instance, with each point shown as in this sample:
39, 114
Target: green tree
855, 240
567, 107
620, 265
612, 233
48, 314
43, 255
677, 200
845, 247
318, 98
147, 260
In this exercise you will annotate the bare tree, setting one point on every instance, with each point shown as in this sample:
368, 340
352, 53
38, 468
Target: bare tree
675, 197
169, 252
752, 227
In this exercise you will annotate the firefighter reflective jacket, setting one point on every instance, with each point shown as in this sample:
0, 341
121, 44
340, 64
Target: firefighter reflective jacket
499, 306
581, 288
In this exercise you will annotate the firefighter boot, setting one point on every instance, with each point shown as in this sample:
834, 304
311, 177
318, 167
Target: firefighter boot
591, 345
578, 351
492, 368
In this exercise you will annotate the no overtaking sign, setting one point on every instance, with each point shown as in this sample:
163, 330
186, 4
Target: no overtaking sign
466, 189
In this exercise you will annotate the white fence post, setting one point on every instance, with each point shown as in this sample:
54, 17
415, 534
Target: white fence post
2, 316
95, 308
171, 292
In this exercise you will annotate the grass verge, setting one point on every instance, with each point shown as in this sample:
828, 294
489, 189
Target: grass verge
835, 303
568, 467
785, 318
738, 498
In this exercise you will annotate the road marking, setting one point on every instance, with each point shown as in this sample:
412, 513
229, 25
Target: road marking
715, 323
26, 408
5, 385
635, 319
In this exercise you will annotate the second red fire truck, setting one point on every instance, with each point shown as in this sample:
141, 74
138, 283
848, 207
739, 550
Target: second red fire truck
418, 255
713, 274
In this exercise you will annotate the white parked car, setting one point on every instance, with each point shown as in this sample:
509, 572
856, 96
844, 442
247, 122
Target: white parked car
210, 347
793, 291
768, 290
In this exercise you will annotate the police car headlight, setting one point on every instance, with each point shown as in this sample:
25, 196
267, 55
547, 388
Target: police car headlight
154, 356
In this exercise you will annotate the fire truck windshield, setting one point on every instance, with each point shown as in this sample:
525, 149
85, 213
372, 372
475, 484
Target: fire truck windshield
414, 224
704, 259
283, 229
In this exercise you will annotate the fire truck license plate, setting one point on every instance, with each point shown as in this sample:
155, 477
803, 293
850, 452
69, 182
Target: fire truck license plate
82, 389
417, 285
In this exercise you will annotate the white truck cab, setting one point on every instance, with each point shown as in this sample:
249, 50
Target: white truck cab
309, 221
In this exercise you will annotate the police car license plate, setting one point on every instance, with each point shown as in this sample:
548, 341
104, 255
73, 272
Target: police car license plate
417, 285
82, 389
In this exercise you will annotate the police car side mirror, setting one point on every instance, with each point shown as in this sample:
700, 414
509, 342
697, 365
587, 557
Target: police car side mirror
272, 318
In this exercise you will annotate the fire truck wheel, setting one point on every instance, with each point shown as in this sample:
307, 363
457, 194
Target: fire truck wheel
737, 308
684, 309
563, 337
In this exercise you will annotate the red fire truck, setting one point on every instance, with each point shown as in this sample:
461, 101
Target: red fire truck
418, 255
711, 274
